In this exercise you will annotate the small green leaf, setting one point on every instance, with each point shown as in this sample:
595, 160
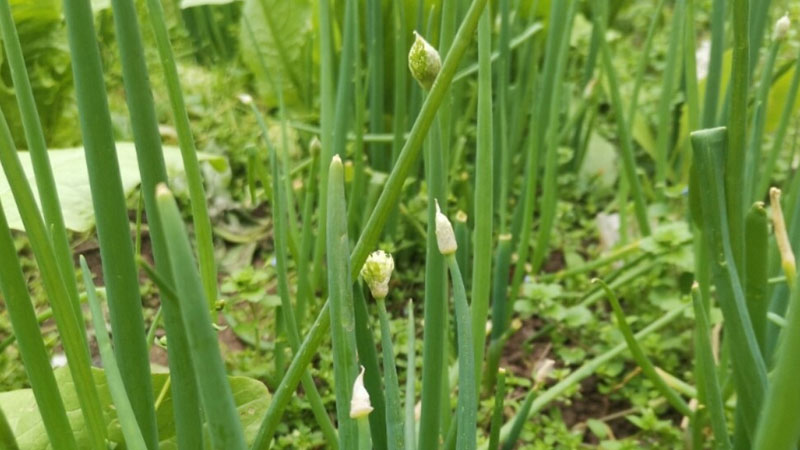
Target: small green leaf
598, 428
600, 161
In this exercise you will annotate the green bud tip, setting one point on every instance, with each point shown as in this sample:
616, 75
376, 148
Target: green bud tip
424, 62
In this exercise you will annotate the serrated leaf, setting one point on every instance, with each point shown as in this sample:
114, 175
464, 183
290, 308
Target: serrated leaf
280, 35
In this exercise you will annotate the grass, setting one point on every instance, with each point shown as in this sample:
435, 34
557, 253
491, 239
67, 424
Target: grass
571, 140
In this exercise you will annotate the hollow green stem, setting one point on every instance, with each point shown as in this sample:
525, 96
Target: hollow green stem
341, 299
69, 327
484, 196
224, 426
714, 78
43, 172
279, 214
561, 19
125, 415
467, 388
368, 358
394, 414
756, 266
411, 370
704, 361
497, 410
749, 371
113, 230
31, 344
364, 441
778, 427
737, 130
200, 218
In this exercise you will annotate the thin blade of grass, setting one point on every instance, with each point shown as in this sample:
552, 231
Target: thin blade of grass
640, 357
585, 370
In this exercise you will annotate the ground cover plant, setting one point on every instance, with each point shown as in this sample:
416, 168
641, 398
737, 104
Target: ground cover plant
416, 224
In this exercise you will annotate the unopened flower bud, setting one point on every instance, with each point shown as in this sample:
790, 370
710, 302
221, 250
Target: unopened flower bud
360, 405
445, 237
424, 62
377, 271
782, 27
543, 370
245, 99
315, 146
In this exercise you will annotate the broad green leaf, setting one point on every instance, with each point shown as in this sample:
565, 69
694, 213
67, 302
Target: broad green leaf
281, 37
43, 39
72, 181
251, 398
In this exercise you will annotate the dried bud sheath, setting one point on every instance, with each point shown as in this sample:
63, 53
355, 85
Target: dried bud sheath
782, 237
